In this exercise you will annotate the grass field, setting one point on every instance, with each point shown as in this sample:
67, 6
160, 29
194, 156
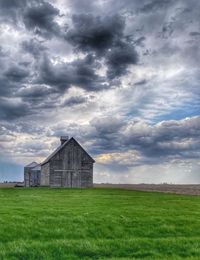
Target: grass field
44, 223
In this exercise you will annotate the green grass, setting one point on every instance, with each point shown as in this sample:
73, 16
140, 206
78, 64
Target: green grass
44, 223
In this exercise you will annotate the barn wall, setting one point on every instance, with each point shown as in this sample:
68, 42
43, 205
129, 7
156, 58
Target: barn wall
35, 177
71, 167
86, 170
45, 174
31, 177
56, 165
26, 177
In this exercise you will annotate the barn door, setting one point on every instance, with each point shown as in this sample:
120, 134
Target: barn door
66, 178
69, 179
72, 182
76, 179
72, 179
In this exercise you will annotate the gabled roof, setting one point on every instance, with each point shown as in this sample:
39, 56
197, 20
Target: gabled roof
83, 150
60, 147
32, 165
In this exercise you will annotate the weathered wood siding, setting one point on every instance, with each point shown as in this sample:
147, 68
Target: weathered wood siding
45, 175
26, 177
31, 177
70, 167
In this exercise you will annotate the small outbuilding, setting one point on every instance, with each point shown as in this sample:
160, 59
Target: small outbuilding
32, 174
68, 166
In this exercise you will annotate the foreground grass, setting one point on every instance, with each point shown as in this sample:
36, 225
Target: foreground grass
44, 223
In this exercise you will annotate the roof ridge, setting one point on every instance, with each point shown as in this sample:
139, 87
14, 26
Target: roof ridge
83, 149
60, 147
32, 164
57, 150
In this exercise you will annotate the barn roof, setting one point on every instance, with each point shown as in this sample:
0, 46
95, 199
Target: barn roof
32, 165
60, 147
36, 168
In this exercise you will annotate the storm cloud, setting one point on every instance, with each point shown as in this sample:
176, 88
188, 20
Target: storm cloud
95, 34
12, 109
160, 142
40, 19
80, 72
104, 36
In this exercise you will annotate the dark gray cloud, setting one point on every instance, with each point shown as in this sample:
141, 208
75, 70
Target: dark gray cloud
107, 125
35, 91
39, 97
10, 10
75, 100
141, 82
119, 58
152, 144
80, 72
104, 36
105, 134
195, 33
16, 73
95, 34
41, 19
140, 41
19, 95
10, 4
37, 15
153, 6
162, 141
6, 88
12, 78
34, 47
12, 109
165, 139
40, 81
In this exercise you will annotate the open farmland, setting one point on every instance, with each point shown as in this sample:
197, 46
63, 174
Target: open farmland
103, 223
190, 189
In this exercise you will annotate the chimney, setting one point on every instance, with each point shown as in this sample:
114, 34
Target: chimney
63, 139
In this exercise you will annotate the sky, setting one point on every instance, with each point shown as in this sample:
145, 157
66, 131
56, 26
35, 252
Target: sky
121, 77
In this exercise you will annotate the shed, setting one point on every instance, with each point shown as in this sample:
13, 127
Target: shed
32, 174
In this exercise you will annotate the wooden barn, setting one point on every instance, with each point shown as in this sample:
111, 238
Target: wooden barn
68, 166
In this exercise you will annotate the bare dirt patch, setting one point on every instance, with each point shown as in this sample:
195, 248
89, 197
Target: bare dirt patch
190, 189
